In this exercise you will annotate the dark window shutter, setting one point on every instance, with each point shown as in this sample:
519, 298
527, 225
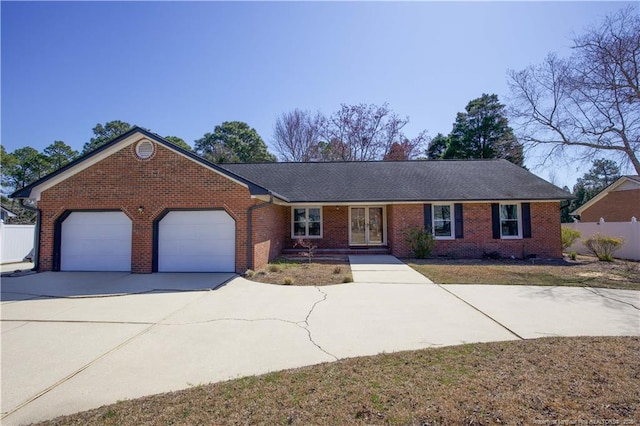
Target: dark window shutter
427, 217
526, 220
457, 209
495, 220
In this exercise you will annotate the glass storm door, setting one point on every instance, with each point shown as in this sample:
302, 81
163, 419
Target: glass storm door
367, 226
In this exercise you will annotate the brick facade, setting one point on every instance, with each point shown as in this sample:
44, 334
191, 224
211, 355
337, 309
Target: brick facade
270, 231
170, 181
478, 239
163, 182
335, 228
616, 206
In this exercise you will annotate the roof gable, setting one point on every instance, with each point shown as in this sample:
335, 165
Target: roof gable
623, 183
134, 135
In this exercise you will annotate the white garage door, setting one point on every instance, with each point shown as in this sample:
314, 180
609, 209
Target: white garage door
96, 241
197, 241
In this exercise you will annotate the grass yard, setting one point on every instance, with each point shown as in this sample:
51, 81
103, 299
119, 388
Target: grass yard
584, 380
334, 271
585, 271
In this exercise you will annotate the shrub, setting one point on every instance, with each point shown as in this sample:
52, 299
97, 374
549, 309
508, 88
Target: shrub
308, 246
493, 255
347, 279
288, 281
250, 273
569, 236
573, 255
603, 246
274, 268
419, 240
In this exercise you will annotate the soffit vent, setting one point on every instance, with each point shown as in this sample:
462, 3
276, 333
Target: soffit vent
144, 149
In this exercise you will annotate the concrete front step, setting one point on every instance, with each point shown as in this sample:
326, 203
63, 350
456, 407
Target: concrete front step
339, 252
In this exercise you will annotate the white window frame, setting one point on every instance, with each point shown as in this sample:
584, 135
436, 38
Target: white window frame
519, 220
306, 230
453, 222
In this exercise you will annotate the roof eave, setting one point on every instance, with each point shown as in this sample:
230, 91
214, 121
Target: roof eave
430, 200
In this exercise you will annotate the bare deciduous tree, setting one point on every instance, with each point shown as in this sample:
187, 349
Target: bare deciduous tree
589, 101
296, 135
408, 149
366, 132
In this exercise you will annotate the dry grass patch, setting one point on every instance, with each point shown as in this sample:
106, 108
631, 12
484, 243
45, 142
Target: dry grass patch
287, 272
542, 381
585, 271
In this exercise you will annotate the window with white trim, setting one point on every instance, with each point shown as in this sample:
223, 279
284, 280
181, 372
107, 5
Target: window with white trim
443, 221
306, 222
510, 223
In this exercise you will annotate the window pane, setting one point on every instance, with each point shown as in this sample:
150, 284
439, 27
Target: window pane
442, 212
442, 228
509, 211
314, 229
314, 215
510, 228
299, 229
299, 215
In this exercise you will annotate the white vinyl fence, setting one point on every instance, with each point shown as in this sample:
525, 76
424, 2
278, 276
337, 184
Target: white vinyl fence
630, 231
16, 241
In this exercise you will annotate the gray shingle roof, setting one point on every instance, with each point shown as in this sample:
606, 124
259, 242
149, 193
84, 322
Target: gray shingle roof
443, 180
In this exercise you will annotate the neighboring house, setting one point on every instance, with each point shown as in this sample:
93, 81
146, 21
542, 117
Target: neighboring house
141, 204
618, 202
6, 214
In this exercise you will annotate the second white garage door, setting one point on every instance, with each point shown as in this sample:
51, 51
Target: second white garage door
197, 241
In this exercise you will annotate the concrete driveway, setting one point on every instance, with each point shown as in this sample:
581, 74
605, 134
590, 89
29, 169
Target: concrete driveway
75, 341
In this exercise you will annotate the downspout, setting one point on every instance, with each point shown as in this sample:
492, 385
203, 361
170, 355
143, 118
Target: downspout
36, 234
250, 228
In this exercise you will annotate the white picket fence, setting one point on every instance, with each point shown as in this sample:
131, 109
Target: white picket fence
630, 231
16, 241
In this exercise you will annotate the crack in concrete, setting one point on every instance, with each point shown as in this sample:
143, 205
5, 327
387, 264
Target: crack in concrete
103, 296
594, 291
306, 323
63, 321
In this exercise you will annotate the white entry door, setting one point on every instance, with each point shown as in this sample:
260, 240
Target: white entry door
96, 241
367, 226
197, 241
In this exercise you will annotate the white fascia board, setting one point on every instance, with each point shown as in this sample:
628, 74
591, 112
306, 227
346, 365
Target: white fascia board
381, 203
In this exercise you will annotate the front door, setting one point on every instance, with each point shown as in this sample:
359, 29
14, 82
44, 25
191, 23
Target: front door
367, 226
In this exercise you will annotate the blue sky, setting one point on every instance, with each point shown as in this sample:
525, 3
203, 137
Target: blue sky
182, 68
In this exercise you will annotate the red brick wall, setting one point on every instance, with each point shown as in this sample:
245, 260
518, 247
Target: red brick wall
616, 206
399, 217
545, 240
270, 227
335, 228
123, 182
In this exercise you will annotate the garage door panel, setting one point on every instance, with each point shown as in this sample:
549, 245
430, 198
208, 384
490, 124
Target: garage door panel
96, 241
196, 241
194, 233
